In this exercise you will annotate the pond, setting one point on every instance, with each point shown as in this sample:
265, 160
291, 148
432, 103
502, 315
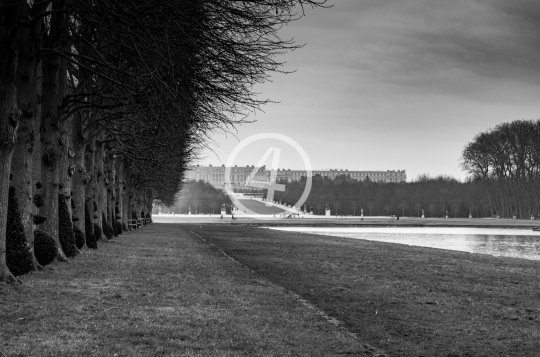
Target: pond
516, 243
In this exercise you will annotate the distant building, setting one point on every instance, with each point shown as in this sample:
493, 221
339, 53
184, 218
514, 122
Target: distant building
215, 175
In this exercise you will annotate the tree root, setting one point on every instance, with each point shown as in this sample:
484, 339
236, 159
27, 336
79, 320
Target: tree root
7, 277
61, 257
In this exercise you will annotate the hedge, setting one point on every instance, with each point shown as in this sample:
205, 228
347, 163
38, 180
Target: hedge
65, 228
18, 254
45, 248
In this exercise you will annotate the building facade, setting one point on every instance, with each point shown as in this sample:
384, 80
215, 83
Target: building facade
239, 175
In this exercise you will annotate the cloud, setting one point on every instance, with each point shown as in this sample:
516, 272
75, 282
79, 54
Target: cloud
427, 45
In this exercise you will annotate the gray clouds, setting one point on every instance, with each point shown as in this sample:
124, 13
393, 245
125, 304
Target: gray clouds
403, 83
430, 44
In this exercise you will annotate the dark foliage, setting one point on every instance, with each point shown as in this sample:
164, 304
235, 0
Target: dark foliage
116, 210
117, 226
45, 248
18, 254
505, 160
79, 237
39, 219
73, 203
65, 228
435, 196
134, 216
124, 226
118, 216
38, 185
97, 231
95, 206
38, 200
200, 197
89, 229
107, 229
74, 218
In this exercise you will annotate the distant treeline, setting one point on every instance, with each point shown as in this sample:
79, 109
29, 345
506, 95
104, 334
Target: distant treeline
436, 196
503, 164
507, 159
197, 197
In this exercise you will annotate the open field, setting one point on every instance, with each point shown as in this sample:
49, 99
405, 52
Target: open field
314, 220
408, 301
259, 207
160, 291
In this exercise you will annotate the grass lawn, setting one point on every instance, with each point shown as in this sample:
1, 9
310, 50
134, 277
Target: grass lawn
160, 291
407, 301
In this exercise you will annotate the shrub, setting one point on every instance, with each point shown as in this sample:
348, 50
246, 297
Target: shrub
79, 237
38, 200
18, 254
107, 229
117, 226
45, 248
91, 241
65, 228
97, 231
134, 216
39, 219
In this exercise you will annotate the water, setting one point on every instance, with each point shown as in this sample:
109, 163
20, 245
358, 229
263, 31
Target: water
516, 243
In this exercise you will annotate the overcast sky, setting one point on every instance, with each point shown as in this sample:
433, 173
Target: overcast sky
404, 84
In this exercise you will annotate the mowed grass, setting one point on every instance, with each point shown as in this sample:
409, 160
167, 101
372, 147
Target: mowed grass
260, 207
160, 291
408, 301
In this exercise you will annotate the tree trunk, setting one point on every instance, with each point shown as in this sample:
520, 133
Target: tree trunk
100, 187
53, 144
111, 188
90, 163
80, 177
9, 118
120, 190
21, 165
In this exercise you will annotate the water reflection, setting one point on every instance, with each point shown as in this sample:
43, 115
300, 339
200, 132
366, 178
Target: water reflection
517, 243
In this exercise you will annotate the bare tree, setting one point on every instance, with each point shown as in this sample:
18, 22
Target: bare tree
403, 205
417, 207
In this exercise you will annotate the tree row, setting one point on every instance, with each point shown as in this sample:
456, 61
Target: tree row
103, 103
